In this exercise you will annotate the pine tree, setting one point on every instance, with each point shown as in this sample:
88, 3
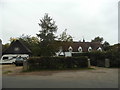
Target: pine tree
47, 36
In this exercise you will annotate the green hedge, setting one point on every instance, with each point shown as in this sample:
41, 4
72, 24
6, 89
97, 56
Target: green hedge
114, 57
96, 58
57, 62
81, 54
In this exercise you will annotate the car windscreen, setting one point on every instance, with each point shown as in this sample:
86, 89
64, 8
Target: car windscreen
19, 58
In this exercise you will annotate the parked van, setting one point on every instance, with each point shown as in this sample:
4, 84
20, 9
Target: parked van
10, 58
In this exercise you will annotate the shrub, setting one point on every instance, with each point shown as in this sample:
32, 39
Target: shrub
97, 58
57, 62
114, 56
81, 54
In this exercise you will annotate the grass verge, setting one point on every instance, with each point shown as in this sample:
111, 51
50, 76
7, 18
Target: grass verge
6, 72
58, 69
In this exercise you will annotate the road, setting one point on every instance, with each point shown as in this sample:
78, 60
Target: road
95, 78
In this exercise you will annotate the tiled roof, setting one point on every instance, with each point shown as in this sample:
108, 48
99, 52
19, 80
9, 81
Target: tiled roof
84, 45
19, 45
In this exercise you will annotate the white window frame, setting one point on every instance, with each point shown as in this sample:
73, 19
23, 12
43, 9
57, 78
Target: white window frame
99, 49
70, 49
80, 49
89, 49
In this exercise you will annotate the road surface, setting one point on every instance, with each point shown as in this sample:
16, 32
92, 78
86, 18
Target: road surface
96, 78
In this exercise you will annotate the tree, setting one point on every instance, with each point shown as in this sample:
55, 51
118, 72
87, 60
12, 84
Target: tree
98, 39
30, 41
106, 46
12, 39
47, 36
5, 46
65, 37
114, 55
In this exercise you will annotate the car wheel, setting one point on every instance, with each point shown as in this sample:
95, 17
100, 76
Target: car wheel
13, 62
16, 64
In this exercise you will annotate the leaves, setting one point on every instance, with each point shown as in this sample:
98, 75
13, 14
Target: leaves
47, 36
98, 39
65, 37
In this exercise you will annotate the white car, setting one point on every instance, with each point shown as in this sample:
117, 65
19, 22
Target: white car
10, 58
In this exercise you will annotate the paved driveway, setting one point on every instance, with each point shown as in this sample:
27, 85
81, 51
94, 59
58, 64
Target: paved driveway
96, 78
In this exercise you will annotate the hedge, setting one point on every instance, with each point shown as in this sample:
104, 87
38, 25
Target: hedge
57, 62
114, 57
98, 58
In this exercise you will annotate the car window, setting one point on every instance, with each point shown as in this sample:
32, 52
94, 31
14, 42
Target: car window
19, 58
4, 58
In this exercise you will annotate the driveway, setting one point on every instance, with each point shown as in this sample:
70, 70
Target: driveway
93, 78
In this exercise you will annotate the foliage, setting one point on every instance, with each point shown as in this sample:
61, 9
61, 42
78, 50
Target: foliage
65, 37
57, 62
96, 57
48, 28
5, 46
30, 41
12, 39
47, 36
98, 39
114, 55
106, 46
81, 54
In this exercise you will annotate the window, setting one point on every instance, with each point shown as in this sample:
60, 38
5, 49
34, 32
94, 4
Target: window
89, 49
99, 49
4, 58
80, 49
70, 49
16, 49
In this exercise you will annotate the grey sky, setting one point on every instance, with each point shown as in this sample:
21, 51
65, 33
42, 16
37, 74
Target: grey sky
81, 18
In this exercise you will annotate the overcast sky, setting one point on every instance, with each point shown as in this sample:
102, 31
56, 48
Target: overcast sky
81, 18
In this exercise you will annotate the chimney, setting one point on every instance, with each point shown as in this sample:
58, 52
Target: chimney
83, 40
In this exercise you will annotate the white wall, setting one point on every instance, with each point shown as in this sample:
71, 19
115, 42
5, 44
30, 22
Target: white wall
68, 54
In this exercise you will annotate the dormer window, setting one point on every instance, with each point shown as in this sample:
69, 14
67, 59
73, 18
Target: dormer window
80, 49
99, 49
70, 49
89, 49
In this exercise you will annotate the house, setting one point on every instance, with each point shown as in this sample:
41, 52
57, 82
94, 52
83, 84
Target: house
17, 47
65, 48
68, 48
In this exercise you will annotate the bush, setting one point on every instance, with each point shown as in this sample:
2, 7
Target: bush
57, 62
97, 58
81, 54
114, 57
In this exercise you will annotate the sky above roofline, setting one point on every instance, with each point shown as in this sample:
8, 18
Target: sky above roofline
82, 18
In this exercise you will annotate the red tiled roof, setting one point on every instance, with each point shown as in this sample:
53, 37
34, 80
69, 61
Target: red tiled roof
84, 45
